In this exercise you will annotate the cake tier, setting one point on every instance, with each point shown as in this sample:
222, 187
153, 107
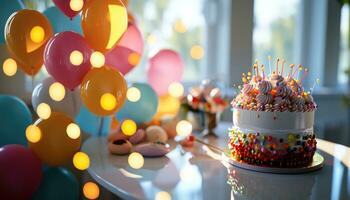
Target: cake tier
274, 148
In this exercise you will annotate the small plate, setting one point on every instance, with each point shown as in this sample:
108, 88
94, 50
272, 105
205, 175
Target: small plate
317, 163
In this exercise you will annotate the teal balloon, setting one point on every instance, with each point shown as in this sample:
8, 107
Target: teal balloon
57, 184
7, 7
61, 23
15, 117
93, 124
142, 110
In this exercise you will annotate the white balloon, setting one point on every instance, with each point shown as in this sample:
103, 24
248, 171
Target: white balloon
69, 105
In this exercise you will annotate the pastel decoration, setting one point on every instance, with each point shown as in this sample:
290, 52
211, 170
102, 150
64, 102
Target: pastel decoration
70, 7
119, 147
67, 58
15, 116
145, 103
26, 34
60, 23
138, 137
7, 8
164, 68
152, 149
20, 172
156, 134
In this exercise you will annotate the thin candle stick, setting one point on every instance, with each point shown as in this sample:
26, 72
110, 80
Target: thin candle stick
283, 61
304, 75
277, 65
269, 57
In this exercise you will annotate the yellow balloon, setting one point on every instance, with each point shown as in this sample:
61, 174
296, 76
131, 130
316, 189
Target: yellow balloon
55, 147
103, 90
103, 23
26, 34
167, 106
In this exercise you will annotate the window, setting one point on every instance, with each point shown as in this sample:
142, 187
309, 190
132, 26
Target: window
274, 29
344, 58
174, 24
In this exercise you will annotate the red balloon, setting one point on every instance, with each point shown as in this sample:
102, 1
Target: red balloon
67, 58
20, 172
128, 51
64, 6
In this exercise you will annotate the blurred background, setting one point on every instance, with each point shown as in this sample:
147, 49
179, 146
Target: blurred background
220, 39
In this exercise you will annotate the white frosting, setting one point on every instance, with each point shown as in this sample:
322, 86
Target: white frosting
270, 122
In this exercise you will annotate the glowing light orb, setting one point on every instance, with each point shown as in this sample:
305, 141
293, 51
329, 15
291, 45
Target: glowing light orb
184, 128
9, 67
81, 161
133, 94
129, 127
76, 5
37, 34
176, 89
76, 58
97, 59
197, 52
73, 131
134, 59
43, 110
91, 190
162, 195
108, 101
180, 27
57, 91
33, 133
136, 160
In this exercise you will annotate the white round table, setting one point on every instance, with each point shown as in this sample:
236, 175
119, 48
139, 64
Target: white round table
200, 173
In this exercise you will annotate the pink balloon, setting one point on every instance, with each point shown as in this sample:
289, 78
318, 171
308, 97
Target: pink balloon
20, 172
131, 42
164, 68
57, 58
64, 6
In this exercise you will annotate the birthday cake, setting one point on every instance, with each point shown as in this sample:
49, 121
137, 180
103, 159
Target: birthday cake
273, 119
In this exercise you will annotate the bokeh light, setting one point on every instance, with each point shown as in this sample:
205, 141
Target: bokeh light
183, 128
197, 52
136, 160
180, 27
108, 101
81, 161
176, 89
33, 133
9, 67
97, 59
76, 58
37, 34
162, 195
133, 94
134, 59
91, 190
57, 91
73, 131
43, 110
76, 5
129, 127
151, 39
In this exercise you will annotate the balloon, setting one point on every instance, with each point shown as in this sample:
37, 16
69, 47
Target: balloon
67, 9
6, 9
26, 34
14, 119
168, 106
165, 68
144, 108
61, 23
20, 172
67, 58
55, 146
127, 53
70, 104
103, 91
58, 184
91, 123
104, 23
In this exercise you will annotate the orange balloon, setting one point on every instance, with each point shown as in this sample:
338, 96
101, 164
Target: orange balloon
103, 90
56, 147
103, 23
26, 34
167, 106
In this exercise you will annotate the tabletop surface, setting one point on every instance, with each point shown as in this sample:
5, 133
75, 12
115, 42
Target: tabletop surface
200, 173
